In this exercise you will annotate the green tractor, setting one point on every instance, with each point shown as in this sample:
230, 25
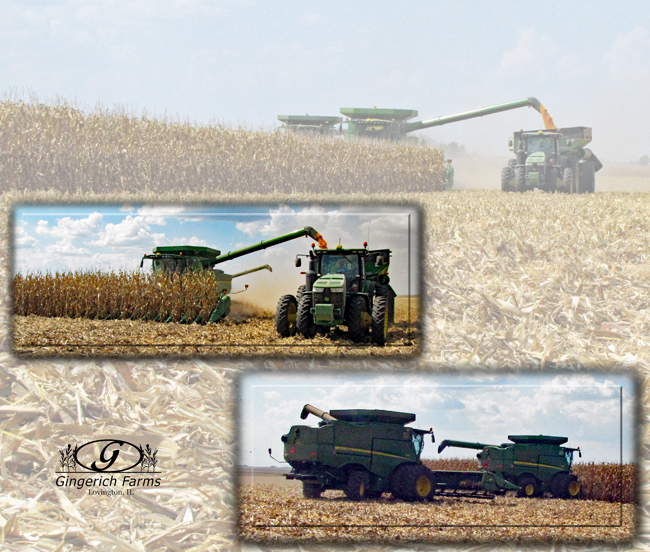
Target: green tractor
361, 452
169, 260
551, 160
347, 287
535, 463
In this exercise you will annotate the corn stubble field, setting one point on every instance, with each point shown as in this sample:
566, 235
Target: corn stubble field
511, 280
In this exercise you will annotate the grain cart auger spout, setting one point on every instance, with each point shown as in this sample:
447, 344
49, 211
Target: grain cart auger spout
535, 463
348, 287
361, 452
391, 124
171, 261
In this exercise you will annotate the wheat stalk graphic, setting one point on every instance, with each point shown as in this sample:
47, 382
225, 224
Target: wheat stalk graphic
67, 460
149, 459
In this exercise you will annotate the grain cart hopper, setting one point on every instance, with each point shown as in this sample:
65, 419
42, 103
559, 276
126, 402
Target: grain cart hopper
310, 124
536, 463
178, 259
361, 452
551, 160
347, 287
392, 124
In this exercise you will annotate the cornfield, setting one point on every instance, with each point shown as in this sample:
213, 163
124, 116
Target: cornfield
600, 481
116, 295
63, 149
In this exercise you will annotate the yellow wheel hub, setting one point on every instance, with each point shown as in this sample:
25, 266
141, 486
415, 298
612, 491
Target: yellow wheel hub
574, 488
530, 490
423, 485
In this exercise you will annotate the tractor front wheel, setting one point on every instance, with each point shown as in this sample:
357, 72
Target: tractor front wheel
380, 318
304, 319
356, 315
520, 179
285, 316
356, 487
567, 180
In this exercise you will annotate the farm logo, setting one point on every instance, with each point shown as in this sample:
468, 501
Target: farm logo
92, 465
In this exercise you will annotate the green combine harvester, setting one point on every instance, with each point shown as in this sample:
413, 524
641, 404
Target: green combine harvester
392, 124
366, 453
553, 160
347, 287
536, 463
178, 259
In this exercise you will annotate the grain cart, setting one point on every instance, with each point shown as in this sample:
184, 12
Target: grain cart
536, 463
366, 453
315, 125
178, 259
551, 160
361, 452
392, 124
347, 287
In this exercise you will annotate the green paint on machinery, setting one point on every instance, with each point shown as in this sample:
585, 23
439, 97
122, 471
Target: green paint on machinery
392, 124
347, 287
366, 453
170, 260
551, 160
315, 125
535, 463
362, 452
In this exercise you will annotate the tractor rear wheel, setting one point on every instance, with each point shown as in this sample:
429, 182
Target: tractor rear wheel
285, 316
565, 485
413, 482
356, 487
356, 312
567, 180
299, 293
311, 490
530, 487
380, 318
520, 179
304, 319
506, 177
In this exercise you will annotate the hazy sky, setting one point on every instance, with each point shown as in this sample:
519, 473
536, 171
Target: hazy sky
466, 407
89, 237
247, 61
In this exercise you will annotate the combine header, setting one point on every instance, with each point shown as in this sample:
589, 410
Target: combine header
172, 260
315, 125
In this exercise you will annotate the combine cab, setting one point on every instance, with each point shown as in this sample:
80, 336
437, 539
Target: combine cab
551, 160
171, 260
347, 287
536, 463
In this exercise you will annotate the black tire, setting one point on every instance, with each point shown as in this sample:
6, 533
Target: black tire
520, 179
304, 319
567, 180
530, 486
385, 291
299, 293
356, 487
380, 318
565, 485
587, 183
311, 490
356, 307
285, 316
413, 482
375, 494
512, 163
506, 176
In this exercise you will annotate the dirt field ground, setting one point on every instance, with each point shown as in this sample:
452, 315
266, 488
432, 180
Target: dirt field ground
273, 509
248, 332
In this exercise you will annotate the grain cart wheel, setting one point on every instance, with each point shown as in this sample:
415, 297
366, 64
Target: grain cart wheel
380, 317
565, 485
567, 180
413, 482
285, 315
311, 490
520, 179
356, 319
304, 319
506, 177
530, 487
356, 487
587, 182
